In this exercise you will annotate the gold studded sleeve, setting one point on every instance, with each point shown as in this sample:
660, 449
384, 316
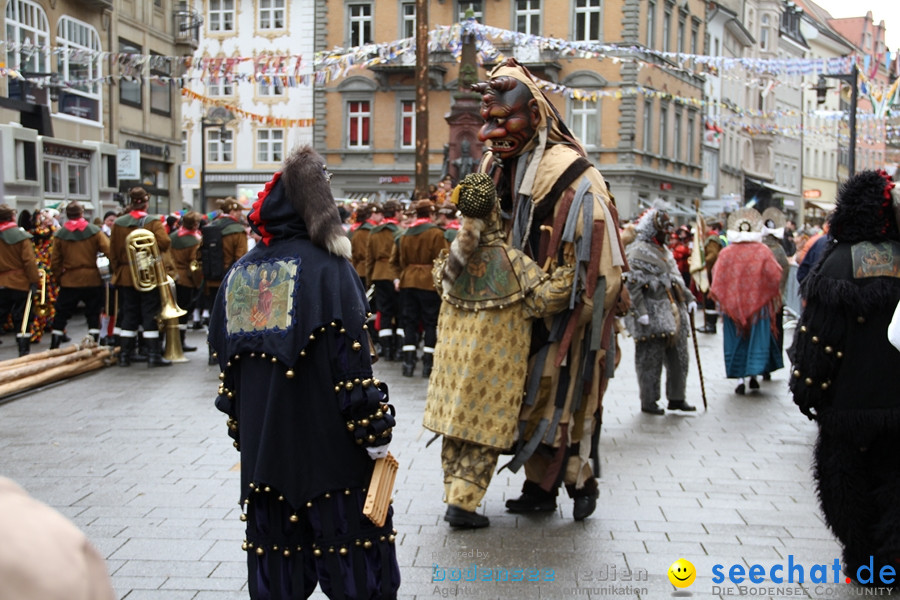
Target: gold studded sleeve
362, 399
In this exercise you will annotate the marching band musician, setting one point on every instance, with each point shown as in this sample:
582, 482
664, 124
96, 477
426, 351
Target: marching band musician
382, 274
359, 240
18, 272
138, 309
414, 255
73, 262
185, 255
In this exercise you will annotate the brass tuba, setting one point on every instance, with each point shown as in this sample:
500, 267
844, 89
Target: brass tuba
147, 271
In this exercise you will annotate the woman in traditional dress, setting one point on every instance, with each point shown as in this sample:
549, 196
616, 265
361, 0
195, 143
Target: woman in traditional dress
746, 281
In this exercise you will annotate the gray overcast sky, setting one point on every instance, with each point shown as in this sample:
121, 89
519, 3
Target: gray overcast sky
882, 10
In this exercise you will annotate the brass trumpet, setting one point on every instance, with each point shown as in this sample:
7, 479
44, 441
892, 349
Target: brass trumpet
42, 307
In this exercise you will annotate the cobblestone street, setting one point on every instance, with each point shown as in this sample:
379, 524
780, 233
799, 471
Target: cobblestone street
140, 460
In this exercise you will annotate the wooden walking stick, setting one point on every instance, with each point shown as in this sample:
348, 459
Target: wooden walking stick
697, 355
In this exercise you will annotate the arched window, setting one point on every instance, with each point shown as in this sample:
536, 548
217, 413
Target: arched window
27, 47
78, 65
584, 110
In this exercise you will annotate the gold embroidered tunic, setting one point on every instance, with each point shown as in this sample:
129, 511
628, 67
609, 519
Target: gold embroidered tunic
484, 333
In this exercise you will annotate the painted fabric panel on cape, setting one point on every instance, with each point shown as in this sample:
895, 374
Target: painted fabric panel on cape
261, 296
875, 259
488, 276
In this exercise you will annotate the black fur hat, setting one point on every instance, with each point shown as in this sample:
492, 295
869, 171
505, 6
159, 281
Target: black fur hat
864, 209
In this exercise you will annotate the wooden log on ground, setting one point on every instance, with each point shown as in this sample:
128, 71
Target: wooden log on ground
30, 368
36, 356
94, 362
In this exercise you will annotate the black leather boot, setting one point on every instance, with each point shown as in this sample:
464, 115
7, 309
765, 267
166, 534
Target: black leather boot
652, 409
386, 343
585, 499
154, 353
184, 346
24, 344
55, 340
126, 348
681, 405
139, 353
460, 518
427, 363
533, 499
409, 363
397, 348
709, 323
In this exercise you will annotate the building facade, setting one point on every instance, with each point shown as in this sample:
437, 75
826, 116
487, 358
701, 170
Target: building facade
638, 116
91, 106
786, 187
724, 137
869, 40
250, 101
823, 129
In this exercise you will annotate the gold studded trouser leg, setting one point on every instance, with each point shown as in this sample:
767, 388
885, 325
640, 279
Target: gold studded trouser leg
468, 469
326, 542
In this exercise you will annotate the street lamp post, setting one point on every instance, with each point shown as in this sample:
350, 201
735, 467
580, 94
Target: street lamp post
204, 125
220, 117
852, 79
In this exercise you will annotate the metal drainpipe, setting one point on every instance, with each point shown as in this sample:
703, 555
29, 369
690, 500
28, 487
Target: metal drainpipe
109, 93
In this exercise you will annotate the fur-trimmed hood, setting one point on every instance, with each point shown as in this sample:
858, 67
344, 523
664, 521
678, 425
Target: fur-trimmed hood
298, 202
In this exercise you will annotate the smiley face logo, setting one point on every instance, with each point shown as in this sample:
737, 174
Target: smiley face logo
682, 573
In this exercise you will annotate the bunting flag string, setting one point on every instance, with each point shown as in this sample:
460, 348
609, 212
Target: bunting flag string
336, 63
289, 70
555, 88
267, 120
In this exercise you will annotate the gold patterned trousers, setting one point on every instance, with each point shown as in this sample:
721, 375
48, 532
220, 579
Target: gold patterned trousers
468, 469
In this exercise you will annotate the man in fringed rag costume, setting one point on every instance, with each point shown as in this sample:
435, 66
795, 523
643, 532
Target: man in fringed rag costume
289, 332
555, 204
658, 320
491, 293
745, 284
846, 374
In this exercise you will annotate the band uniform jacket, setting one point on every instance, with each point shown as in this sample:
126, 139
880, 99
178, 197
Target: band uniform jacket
18, 263
73, 256
185, 250
359, 248
234, 243
118, 252
378, 259
414, 255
